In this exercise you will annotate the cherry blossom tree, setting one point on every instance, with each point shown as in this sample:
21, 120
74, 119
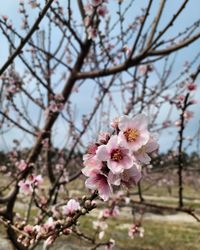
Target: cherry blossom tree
88, 88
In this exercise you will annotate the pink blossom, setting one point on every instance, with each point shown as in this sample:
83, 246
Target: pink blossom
166, 97
133, 132
25, 187
5, 18
49, 225
55, 107
71, 207
113, 212
102, 10
59, 97
28, 229
38, 179
87, 21
90, 161
104, 137
135, 230
22, 165
118, 158
33, 3
193, 101
110, 245
98, 181
92, 149
92, 33
88, 9
45, 142
143, 69
129, 177
181, 98
127, 50
166, 124
67, 231
142, 154
11, 90
177, 123
191, 86
105, 213
188, 115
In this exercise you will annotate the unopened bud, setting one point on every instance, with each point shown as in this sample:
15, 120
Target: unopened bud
83, 211
93, 203
67, 231
87, 203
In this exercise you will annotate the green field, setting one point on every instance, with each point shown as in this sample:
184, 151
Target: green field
162, 232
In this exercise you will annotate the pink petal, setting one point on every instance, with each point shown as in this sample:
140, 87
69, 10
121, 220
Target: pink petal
91, 182
144, 158
115, 167
127, 162
135, 174
114, 179
131, 176
112, 143
104, 190
87, 171
102, 153
151, 145
123, 122
140, 122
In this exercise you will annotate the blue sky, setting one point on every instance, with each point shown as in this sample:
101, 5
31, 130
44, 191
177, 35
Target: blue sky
189, 15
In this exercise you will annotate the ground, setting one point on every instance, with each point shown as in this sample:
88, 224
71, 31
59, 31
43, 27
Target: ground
163, 231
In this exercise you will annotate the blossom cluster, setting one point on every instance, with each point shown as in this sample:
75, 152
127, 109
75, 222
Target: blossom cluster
182, 101
27, 186
31, 234
116, 159
55, 105
101, 10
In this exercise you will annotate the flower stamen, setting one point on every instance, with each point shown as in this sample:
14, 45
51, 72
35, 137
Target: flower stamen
131, 134
116, 155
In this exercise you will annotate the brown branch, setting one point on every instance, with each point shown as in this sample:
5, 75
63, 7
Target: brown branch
81, 8
169, 208
180, 150
171, 22
155, 23
17, 124
136, 60
48, 125
140, 30
175, 47
112, 70
28, 36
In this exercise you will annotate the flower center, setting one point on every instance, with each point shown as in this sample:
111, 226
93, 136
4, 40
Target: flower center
131, 134
116, 155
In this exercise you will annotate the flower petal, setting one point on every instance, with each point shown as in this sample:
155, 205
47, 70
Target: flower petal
114, 179
102, 153
140, 122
